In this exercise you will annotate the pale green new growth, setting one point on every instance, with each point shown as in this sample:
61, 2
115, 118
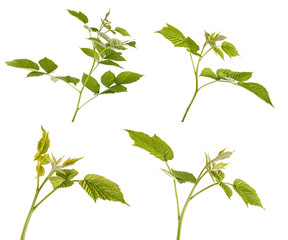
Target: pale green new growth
106, 50
177, 38
95, 185
213, 167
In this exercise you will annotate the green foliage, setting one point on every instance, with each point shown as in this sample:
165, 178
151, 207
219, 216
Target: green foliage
111, 63
108, 78
154, 145
35, 74
69, 79
106, 51
100, 187
238, 76
122, 31
70, 162
23, 63
115, 89
229, 49
180, 176
91, 53
177, 38
127, 77
90, 83
81, 16
43, 144
207, 72
226, 189
63, 178
247, 193
48, 65
258, 90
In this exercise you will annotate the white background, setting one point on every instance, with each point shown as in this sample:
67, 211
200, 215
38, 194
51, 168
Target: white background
221, 116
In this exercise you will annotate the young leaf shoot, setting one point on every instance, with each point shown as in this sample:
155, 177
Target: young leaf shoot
96, 186
106, 50
213, 167
212, 41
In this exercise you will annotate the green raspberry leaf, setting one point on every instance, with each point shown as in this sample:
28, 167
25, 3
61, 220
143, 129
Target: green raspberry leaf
48, 65
127, 77
226, 189
207, 72
181, 177
100, 187
229, 49
154, 145
23, 63
247, 193
81, 16
108, 78
258, 90
91, 83
122, 31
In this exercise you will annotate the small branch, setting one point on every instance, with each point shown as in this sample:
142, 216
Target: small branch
176, 194
45, 198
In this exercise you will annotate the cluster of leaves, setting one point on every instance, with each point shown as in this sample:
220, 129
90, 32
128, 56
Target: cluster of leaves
105, 51
177, 38
95, 185
160, 149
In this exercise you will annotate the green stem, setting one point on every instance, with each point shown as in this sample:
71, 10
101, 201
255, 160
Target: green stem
82, 89
33, 207
196, 78
30, 211
203, 190
201, 175
176, 194
45, 198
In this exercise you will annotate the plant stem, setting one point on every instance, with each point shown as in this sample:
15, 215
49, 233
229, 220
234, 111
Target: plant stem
33, 205
201, 175
82, 89
30, 211
176, 194
196, 78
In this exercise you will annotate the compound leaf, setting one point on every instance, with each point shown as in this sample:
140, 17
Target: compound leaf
229, 49
23, 63
258, 90
127, 77
81, 16
90, 83
48, 65
154, 145
100, 187
247, 193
